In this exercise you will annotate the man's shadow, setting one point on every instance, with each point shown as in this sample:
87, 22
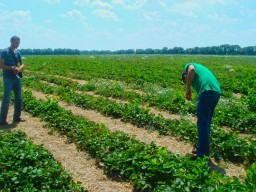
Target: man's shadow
216, 168
9, 127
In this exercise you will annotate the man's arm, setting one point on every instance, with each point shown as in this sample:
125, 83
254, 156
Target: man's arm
21, 66
5, 67
190, 77
21, 63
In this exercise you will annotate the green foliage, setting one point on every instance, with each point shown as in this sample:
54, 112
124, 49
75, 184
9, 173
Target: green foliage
251, 177
237, 114
149, 168
223, 145
26, 167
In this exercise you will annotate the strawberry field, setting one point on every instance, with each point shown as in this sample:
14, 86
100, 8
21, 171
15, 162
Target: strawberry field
144, 92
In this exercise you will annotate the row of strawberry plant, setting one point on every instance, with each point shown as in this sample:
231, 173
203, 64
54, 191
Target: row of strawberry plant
230, 112
27, 167
237, 114
148, 167
174, 103
224, 145
155, 69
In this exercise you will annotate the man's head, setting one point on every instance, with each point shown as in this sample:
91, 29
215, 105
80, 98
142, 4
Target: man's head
15, 42
183, 77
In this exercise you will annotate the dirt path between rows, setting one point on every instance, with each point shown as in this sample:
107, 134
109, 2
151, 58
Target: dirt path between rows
82, 167
82, 82
154, 111
164, 114
146, 136
141, 134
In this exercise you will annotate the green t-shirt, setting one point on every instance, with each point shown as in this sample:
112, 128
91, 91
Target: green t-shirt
203, 79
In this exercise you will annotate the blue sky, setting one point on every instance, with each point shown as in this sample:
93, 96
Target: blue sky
125, 24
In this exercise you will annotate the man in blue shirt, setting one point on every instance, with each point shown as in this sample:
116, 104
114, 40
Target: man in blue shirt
9, 60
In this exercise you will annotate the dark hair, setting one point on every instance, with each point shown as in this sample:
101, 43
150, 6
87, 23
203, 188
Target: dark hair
14, 38
183, 76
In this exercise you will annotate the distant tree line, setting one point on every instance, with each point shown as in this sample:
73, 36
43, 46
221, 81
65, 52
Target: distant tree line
213, 50
50, 51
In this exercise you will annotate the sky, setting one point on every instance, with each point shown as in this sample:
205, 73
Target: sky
127, 24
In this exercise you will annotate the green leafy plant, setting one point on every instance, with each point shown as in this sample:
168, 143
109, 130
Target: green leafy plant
27, 167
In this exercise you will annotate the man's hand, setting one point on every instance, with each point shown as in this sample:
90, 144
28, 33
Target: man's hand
188, 94
15, 70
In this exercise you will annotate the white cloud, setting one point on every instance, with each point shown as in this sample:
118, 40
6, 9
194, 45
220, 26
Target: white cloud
92, 3
105, 33
248, 12
170, 24
48, 21
215, 2
223, 19
117, 1
105, 14
51, 1
188, 8
74, 14
252, 12
152, 21
120, 30
21, 13
82, 2
86, 27
130, 4
248, 33
99, 3
151, 17
163, 4
19, 22
199, 29
15, 20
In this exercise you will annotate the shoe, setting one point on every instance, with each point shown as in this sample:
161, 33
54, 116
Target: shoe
193, 158
18, 120
194, 151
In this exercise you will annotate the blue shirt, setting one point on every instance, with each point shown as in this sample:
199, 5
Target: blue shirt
11, 59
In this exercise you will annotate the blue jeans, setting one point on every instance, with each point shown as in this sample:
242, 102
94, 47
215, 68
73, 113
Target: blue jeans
206, 104
11, 83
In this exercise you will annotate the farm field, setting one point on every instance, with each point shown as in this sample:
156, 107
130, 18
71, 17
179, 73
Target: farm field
27, 167
128, 114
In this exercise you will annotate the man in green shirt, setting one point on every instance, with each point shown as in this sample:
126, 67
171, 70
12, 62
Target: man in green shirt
208, 90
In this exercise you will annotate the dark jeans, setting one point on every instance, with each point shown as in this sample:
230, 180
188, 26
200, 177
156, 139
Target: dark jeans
206, 104
11, 83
